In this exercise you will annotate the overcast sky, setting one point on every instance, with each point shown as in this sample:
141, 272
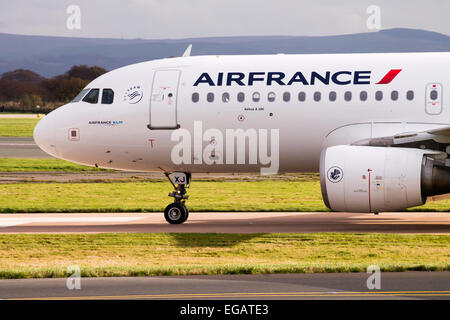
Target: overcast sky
155, 19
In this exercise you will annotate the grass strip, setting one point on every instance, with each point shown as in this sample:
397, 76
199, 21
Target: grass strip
152, 196
17, 127
42, 165
220, 196
100, 255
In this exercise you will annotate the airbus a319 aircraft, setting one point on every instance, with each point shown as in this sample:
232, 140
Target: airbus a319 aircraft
376, 126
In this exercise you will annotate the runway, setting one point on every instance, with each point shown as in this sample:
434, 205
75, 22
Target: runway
405, 285
229, 222
20, 147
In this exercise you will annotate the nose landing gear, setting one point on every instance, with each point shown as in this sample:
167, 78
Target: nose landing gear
176, 212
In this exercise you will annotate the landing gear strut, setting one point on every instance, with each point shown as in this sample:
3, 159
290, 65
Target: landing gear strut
176, 212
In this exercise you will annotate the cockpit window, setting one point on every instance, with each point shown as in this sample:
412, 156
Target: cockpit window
80, 95
92, 96
107, 96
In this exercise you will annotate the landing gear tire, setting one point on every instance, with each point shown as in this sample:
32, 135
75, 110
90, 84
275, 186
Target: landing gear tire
187, 213
176, 213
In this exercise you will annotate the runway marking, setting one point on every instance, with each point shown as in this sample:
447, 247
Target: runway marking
256, 294
9, 222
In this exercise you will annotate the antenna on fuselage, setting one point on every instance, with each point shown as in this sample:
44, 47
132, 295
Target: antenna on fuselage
187, 52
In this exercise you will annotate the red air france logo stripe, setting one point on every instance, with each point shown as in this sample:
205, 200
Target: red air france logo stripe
389, 76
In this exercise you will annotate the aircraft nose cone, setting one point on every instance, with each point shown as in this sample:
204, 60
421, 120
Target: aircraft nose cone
44, 135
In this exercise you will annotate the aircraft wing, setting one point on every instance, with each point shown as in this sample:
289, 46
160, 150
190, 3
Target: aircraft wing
441, 131
437, 140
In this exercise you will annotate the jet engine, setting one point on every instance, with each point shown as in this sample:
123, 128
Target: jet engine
376, 179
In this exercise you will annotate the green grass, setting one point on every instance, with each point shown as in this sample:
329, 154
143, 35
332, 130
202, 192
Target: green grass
17, 127
152, 196
43, 165
266, 195
23, 256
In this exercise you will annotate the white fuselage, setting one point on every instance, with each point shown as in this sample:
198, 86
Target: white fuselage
138, 131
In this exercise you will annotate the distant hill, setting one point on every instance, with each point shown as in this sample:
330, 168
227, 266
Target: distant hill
22, 75
50, 56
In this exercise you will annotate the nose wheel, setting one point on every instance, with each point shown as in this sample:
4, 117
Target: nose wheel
176, 212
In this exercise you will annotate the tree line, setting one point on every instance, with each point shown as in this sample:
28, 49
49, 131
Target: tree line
25, 88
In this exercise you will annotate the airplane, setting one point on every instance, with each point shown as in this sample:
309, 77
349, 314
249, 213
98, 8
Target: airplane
376, 126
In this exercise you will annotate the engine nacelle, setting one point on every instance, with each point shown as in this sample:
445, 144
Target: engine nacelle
376, 179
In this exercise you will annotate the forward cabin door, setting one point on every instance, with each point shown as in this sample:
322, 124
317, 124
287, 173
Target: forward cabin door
163, 102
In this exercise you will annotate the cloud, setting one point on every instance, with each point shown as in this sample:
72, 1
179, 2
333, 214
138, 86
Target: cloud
201, 18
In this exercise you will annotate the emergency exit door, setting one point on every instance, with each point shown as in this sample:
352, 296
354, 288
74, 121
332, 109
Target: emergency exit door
163, 102
433, 99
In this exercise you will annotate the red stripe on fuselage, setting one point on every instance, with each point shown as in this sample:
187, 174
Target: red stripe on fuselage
389, 76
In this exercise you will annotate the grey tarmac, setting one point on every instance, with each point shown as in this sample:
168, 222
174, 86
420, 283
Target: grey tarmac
20, 147
229, 222
396, 285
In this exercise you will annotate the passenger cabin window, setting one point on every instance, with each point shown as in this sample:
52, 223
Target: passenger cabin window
394, 95
301, 96
225, 97
256, 96
241, 97
271, 96
379, 95
107, 96
410, 95
92, 96
433, 94
332, 96
317, 96
80, 95
363, 95
210, 97
348, 96
286, 96
195, 97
